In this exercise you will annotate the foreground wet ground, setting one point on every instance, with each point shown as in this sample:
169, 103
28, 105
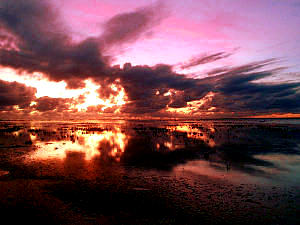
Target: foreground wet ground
150, 172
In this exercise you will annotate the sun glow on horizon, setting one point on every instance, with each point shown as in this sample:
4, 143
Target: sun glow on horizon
44, 87
83, 98
193, 106
92, 98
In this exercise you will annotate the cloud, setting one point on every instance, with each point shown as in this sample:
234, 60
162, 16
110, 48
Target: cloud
45, 45
240, 90
45, 104
235, 89
203, 59
128, 27
15, 94
34, 39
147, 88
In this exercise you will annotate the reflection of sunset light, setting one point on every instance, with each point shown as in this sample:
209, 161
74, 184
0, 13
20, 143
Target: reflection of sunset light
173, 144
32, 103
33, 112
170, 145
17, 133
17, 108
196, 134
117, 142
168, 93
60, 149
290, 163
32, 137
207, 168
89, 144
279, 158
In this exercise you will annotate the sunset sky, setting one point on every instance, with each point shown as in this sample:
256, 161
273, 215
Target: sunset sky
169, 58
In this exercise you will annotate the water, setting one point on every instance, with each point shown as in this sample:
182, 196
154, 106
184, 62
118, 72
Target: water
223, 167
248, 151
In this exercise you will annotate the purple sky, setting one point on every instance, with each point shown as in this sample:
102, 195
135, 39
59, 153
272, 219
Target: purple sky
193, 58
260, 29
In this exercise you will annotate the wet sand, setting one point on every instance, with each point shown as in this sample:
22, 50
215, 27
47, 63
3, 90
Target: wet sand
170, 186
145, 199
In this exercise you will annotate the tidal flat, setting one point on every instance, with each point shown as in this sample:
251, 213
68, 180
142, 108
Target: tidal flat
229, 171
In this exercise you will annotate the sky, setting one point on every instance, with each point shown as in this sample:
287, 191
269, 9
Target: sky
168, 58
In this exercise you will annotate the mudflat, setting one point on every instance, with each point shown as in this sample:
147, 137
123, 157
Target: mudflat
150, 172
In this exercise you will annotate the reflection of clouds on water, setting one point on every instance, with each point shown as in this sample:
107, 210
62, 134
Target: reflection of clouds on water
200, 133
90, 144
286, 166
60, 149
214, 148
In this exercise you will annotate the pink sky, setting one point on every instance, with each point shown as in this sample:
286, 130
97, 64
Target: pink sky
260, 29
228, 51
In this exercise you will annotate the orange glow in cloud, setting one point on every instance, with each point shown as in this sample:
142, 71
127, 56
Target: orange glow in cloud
193, 106
43, 86
278, 115
91, 97
52, 89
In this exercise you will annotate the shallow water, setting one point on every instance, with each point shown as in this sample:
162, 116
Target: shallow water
238, 151
150, 172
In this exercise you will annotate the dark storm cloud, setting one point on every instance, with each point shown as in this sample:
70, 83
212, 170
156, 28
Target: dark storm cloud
146, 88
32, 38
49, 104
13, 93
238, 90
45, 44
128, 27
